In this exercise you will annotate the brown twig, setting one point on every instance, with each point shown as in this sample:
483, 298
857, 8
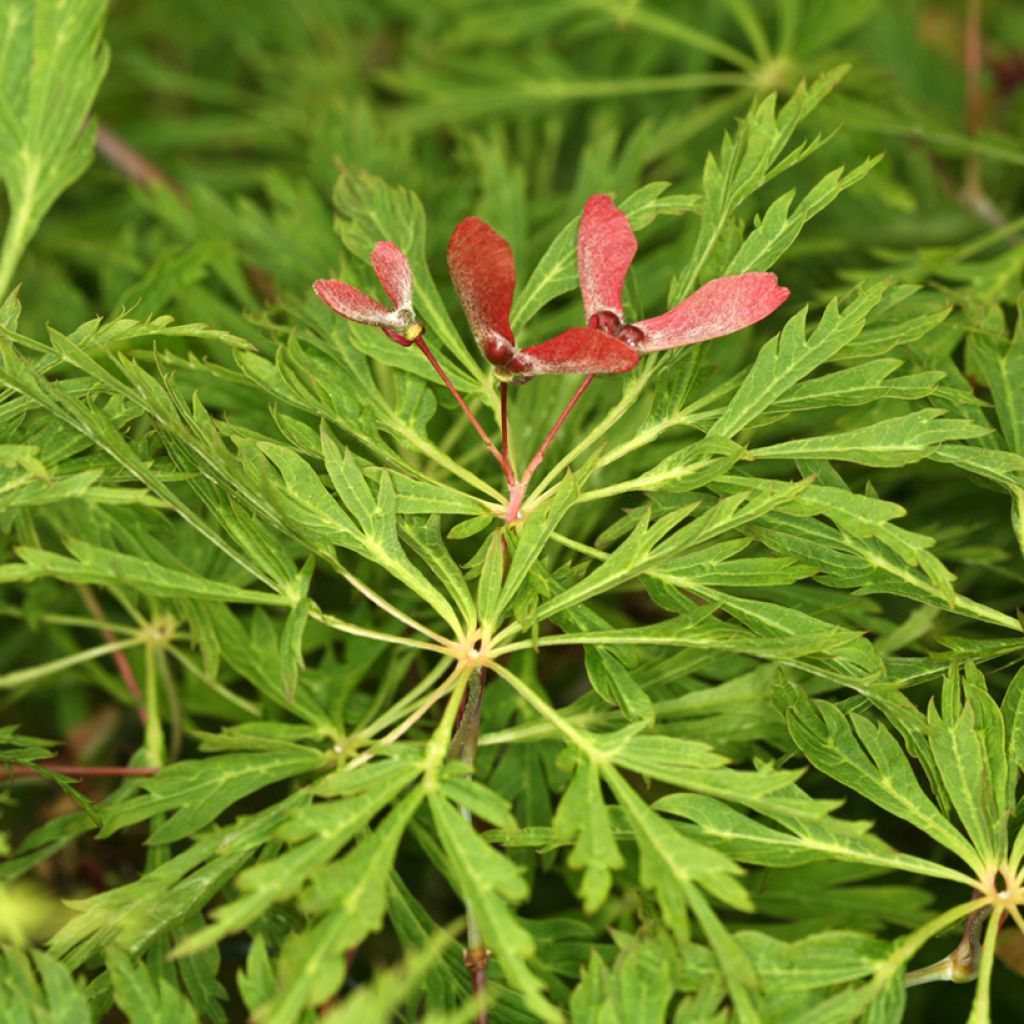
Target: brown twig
972, 193
124, 667
129, 161
82, 771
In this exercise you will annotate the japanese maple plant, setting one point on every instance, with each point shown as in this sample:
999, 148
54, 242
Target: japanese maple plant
482, 268
609, 650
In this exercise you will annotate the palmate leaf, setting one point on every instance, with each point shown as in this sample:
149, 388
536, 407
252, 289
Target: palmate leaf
867, 758
51, 65
63, 404
316, 834
134, 915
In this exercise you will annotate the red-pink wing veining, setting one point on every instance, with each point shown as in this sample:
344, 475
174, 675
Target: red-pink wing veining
578, 350
605, 249
352, 303
484, 274
720, 307
394, 273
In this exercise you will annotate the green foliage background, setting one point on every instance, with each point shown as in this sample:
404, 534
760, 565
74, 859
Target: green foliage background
752, 737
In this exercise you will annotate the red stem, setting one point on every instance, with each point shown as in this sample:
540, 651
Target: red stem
124, 667
502, 461
78, 770
476, 961
517, 489
504, 428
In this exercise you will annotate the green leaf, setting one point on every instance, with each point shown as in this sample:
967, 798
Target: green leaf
858, 385
488, 882
318, 833
146, 999
257, 982
200, 975
199, 791
614, 684
583, 816
893, 442
291, 645
489, 586
52, 62
669, 860
424, 533
778, 228
57, 1000
112, 568
348, 901
533, 535
866, 757
376, 529
968, 745
792, 355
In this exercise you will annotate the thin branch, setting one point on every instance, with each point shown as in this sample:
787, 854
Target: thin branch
973, 194
343, 626
129, 161
28, 675
517, 490
404, 726
124, 667
373, 597
504, 430
22, 771
425, 349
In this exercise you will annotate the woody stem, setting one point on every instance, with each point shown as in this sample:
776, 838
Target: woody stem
517, 490
502, 461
